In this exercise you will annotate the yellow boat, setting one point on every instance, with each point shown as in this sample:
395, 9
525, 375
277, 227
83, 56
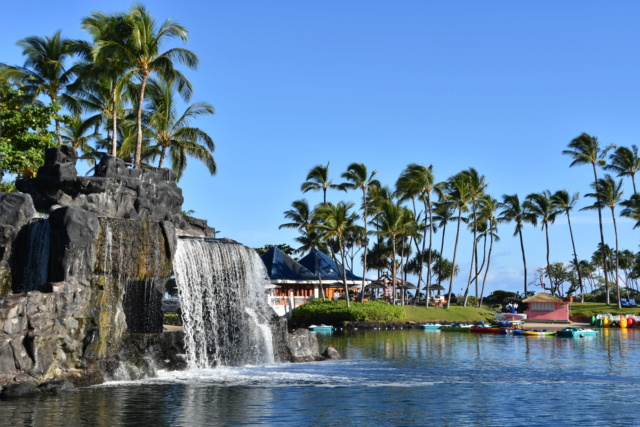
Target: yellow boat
623, 322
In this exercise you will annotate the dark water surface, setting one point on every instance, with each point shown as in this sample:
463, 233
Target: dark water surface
388, 378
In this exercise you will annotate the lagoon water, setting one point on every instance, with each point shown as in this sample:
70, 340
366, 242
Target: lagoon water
387, 378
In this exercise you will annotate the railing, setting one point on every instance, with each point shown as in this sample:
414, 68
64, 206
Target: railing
280, 301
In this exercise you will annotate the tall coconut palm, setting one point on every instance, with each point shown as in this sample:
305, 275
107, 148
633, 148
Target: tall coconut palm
171, 130
477, 186
608, 193
460, 192
318, 179
487, 216
107, 67
418, 180
358, 177
513, 210
442, 213
626, 162
336, 222
565, 203
140, 52
540, 205
45, 70
585, 149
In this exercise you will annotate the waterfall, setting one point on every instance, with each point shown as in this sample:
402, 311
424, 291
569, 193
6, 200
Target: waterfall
37, 257
225, 313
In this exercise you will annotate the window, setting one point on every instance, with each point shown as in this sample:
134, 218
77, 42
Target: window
542, 306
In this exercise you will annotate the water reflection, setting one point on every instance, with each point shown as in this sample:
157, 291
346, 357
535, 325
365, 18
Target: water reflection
387, 378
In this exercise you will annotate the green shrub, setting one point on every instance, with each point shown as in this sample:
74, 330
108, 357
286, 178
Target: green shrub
172, 319
334, 312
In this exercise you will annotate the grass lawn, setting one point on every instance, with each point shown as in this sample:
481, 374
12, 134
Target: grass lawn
588, 309
451, 314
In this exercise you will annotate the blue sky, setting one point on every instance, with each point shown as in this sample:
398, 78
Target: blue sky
500, 86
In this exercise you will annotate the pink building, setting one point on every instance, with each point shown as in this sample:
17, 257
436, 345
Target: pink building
546, 308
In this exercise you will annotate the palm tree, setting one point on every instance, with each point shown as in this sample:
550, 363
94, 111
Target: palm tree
540, 205
565, 203
460, 192
318, 179
487, 216
513, 210
585, 149
305, 221
625, 162
172, 131
632, 209
608, 193
107, 68
45, 71
477, 185
140, 53
418, 181
443, 213
357, 176
337, 222
74, 133
393, 222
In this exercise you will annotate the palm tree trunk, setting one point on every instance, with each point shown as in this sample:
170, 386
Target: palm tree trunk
430, 257
453, 264
138, 155
366, 242
604, 253
315, 256
57, 121
575, 258
546, 230
444, 229
163, 153
524, 261
394, 269
486, 271
114, 123
615, 229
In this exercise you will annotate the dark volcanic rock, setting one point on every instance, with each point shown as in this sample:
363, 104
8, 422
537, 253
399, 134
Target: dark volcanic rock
13, 391
56, 386
331, 353
303, 345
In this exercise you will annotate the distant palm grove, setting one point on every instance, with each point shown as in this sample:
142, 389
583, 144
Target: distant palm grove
118, 93
393, 230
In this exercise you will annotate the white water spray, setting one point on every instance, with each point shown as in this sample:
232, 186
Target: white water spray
225, 312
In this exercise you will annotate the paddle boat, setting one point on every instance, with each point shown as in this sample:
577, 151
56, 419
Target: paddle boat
431, 326
485, 329
576, 332
456, 327
538, 333
321, 328
510, 317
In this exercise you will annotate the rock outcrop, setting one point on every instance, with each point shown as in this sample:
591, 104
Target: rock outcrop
84, 262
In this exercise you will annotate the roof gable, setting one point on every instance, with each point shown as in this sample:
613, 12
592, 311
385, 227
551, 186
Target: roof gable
281, 266
328, 268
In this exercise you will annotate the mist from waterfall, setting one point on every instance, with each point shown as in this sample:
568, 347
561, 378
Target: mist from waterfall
225, 313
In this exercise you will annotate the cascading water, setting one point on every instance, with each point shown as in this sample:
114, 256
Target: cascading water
225, 313
37, 257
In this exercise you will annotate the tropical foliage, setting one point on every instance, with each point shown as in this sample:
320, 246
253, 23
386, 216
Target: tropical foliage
405, 222
117, 93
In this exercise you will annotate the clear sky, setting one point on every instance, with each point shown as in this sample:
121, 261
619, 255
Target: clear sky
500, 86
